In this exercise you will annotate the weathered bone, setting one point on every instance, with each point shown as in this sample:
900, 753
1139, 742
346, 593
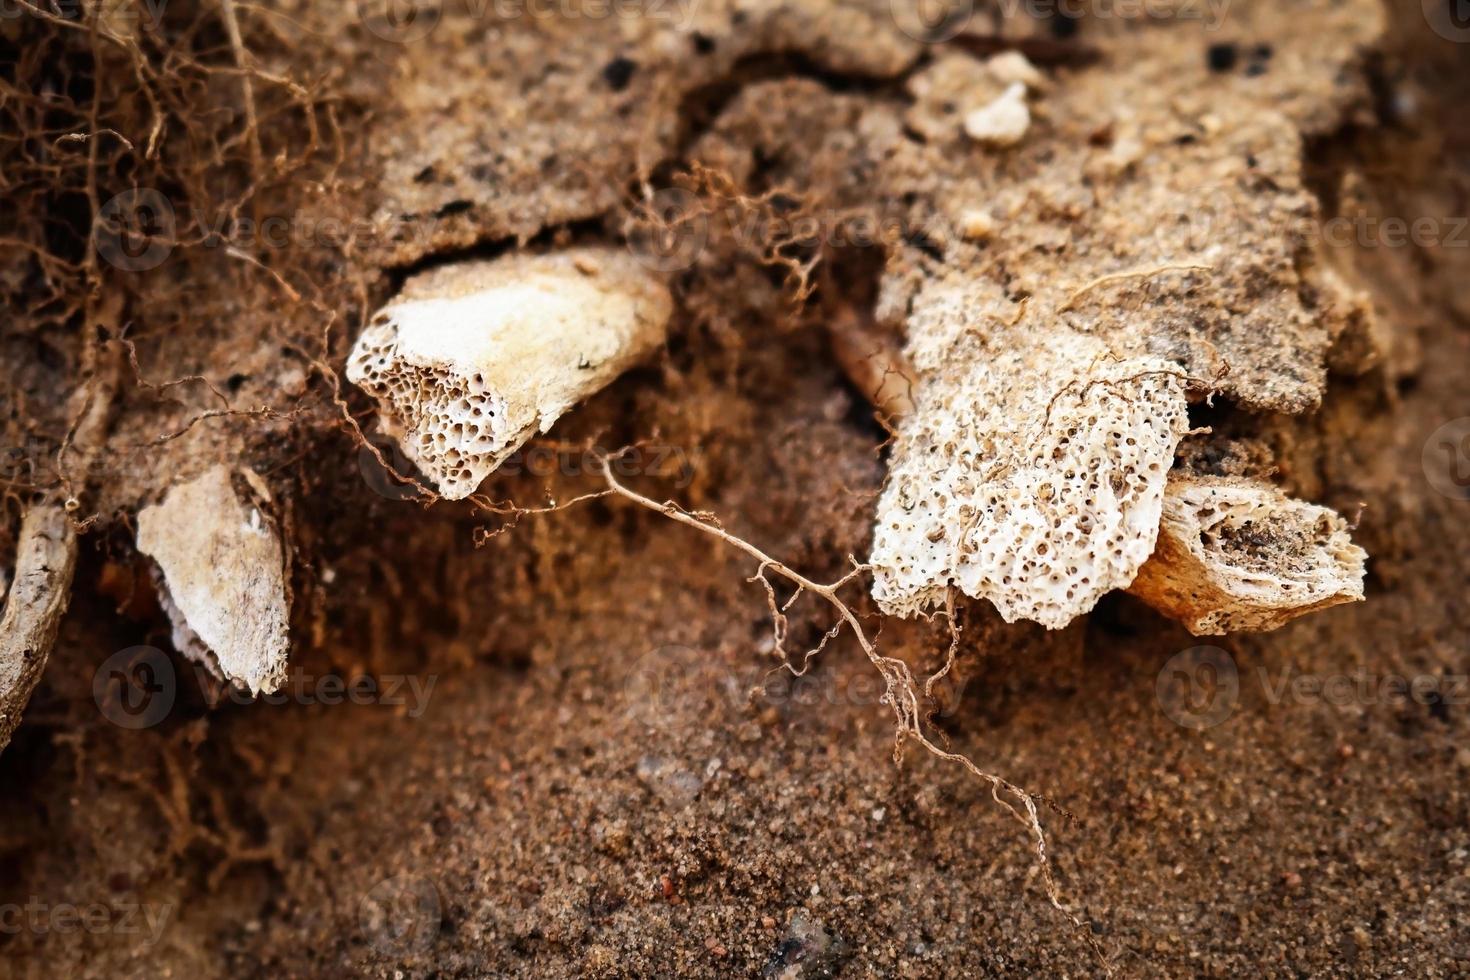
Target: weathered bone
471, 360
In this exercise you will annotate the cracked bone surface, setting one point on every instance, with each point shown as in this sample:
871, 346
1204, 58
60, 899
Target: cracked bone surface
1032, 471
471, 360
224, 577
1237, 554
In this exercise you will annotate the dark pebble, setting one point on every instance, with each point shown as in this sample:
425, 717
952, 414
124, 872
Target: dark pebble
618, 72
1064, 27
1222, 57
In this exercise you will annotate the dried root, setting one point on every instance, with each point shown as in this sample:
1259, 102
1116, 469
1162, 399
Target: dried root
873, 360
45, 563
903, 692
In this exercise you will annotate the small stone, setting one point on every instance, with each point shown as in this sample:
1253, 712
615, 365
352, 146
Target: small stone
806, 951
612, 838
976, 225
675, 786
1004, 121
1010, 67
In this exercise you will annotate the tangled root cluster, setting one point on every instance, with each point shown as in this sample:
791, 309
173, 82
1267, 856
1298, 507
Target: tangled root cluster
140, 137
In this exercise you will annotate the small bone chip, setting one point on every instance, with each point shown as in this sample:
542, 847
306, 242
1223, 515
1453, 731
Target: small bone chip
223, 577
1238, 555
471, 360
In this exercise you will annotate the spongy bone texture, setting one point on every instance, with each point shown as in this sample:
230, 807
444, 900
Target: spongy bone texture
1032, 472
223, 573
1236, 554
471, 360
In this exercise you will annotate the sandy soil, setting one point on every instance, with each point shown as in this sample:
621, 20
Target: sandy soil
578, 759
